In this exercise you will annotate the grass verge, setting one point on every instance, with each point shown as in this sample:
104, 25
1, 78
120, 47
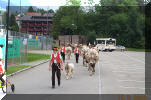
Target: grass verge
135, 49
35, 57
13, 69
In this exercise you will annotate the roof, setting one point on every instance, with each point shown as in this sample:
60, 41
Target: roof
36, 18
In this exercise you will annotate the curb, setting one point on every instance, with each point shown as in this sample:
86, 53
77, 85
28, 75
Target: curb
26, 69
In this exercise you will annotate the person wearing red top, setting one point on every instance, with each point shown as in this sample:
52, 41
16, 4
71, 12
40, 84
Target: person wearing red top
76, 53
1, 72
62, 51
56, 65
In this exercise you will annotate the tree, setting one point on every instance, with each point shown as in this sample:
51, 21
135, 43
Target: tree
67, 20
51, 11
73, 2
91, 36
13, 26
4, 15
30, 9
110, 18
42, 11
120, 20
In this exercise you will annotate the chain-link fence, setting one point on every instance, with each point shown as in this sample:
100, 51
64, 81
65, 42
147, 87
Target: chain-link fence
20, 43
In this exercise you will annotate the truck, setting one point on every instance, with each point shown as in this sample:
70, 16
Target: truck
106, 44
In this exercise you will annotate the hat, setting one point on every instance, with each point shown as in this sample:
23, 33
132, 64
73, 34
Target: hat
55, 48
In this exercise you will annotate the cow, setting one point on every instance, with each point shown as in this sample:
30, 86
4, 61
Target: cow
69, 70
84, 53
68, 51
93, 58
73, 46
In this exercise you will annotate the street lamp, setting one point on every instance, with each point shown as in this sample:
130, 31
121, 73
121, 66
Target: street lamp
71, 34
64, 36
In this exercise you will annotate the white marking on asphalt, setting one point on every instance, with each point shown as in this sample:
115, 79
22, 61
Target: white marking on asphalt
132, 87
130, 81
127, 72
143, 62
99, 76
127, 68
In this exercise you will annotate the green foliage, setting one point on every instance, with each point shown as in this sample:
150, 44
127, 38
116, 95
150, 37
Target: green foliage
36, 57
42, 11
30, 9
91, 36
13, 69
67, 20
135, 49
73, 2
13, 26
51, 11
118, 2
118, 19
4, 18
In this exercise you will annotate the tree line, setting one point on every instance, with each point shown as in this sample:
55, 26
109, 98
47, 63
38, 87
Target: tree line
120, 19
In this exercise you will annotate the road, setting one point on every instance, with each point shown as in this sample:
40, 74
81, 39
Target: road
116, 73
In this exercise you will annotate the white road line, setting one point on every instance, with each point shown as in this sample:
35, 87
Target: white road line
130, 81
127, 68
128, 72
143, 62
99, 76
132, 87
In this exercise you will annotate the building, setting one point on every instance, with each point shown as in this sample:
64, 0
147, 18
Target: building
36, 23
74, 39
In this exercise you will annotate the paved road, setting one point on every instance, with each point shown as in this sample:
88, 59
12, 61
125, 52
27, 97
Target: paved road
116, 72
123, 72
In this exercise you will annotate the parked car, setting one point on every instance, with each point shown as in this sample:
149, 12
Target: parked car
121, 48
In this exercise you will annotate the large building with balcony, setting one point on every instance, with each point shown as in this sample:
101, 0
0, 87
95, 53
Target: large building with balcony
36, 23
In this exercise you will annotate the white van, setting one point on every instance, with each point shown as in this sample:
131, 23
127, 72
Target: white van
106, 44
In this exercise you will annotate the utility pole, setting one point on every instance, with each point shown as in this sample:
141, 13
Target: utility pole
7, 35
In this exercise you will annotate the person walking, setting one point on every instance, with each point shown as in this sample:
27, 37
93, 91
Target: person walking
1, 52
56, 65
62, 51
77, 53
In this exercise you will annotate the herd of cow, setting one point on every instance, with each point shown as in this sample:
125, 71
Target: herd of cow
90, 55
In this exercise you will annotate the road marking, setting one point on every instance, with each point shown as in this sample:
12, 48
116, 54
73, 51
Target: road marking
128, 72
143, 62
99, 76
132, 87
127, 68
130, 81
